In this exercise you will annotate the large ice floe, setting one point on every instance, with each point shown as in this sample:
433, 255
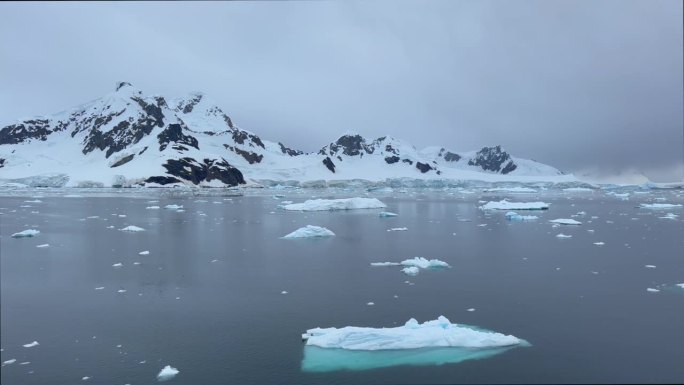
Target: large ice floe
309, 231
433, 342
424, 263
133, 229
336, 204
513, 216
26, 233
506, 205
659, 205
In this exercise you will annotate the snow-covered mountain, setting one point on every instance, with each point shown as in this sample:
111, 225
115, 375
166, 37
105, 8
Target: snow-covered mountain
127, 138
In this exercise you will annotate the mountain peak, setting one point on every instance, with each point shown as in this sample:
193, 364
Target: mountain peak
120, 85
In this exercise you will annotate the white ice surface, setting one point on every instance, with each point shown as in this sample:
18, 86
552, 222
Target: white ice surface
506, 205
660, 205
513, 216
411, 270
424, 263
310, 231
31, 344
565, 221
26, 233
336, 204
412, 335
167, 373
134, 229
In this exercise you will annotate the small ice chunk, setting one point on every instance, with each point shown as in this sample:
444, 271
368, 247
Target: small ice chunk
565, 221
26, 233
411, 270
44, 245
167, 373
471, 309
659, 205
121, 291
506, 205
680, 285
336, 204
561, 235
119, 264
669, 216
370, 303
652, 290
122, 215
173, 207
424, 263
8, 362
513, 216
650, 266
146, 252
385, 264
136, 263
31, 344
386, 214
309, 232
133, 229
599, 243
398, 229
100, 288
86, 378
283, 292
152, 208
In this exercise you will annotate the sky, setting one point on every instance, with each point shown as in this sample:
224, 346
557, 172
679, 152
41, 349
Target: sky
585, 86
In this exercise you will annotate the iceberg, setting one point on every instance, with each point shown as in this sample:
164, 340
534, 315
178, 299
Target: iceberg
424, 263
513, 216
387, 214
411, 270
506, 205
385, 264
309, 232
173, 207
26, 233
412, 335
565, 221
133, 229
167, 373
659, 205
336, 204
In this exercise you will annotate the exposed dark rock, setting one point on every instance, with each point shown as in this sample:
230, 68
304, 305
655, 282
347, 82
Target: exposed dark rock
249, 156
143, 150
123, 161
389, 148
2, 162
451, 157
174, 133
391, 159
29, 129
178, 147
329, 164
339, 158
349, 145
240, 136
195, 172
409, 161
289, 151
162, 180
493, 159
423, 167
120, 85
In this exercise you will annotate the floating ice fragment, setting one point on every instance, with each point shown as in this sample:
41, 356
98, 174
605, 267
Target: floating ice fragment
424, 263
565, 221
86, 378
561, 235
411, 270
336, 204
599, 243
173, 207
651, 290
119, 264
31, 344
121, 291
43, 245
283, 292
506, 205
152, 208
133, 229
100, 288
385, 264
577, 189
309, 232
680, 285
8, 362
512, 190
386, 214
34, 201
659, 205
146, 252
398, 229
650, 266
370, 303
26, 233
669, 216
471, 309
167, 373
513, 216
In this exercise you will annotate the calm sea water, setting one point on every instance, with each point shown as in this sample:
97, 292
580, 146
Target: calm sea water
207, 299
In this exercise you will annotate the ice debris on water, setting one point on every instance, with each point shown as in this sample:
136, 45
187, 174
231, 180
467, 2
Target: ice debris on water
398, 229
650, 266
31, 344
336, 204
513, 216
152, 208
385, 264
659, 205
8, 362
167, 373
411, 270
424, 263
133, 229
561, 235
44, 245
387, 214
599, 243
119, 264
309, 231
146, 252
506, 205
26, 233
173, 207
565, 221
652, 290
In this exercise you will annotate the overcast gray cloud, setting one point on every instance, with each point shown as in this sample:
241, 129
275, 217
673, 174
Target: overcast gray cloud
574, 84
